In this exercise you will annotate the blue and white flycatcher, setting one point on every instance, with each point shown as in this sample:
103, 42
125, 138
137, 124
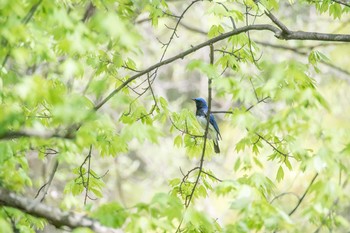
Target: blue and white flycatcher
213, 129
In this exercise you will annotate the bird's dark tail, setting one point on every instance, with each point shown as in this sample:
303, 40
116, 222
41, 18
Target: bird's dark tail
216, 146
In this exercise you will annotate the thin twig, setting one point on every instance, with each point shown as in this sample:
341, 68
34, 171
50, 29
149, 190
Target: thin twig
227, 10
283, 194
273, 146
173, 34
255, 61
88, 176
303, 196
185, 53
25, 21
185, 131
45, 187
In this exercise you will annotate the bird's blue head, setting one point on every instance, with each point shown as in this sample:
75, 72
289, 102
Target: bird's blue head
200, 103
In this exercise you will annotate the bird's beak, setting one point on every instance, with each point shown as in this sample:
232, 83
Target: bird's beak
194, 99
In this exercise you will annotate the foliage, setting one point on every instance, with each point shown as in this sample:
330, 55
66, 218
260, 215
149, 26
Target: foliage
72, 91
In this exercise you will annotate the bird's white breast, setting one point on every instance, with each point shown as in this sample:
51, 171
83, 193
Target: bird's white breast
203, 122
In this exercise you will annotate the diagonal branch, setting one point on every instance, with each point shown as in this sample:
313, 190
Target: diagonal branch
55, 216
277, 22
341, 3
40, 196
304, 194
284, 154
187, 52
291, 35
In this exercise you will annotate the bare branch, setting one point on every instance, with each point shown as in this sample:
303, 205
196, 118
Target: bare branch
184, 131
40, 196
295, 50
212, 176
284, 194
193, 29
166, 45
248, 109
291, 35
273, 146
277, 22
34, 133
55, 216
341, 3
303, 196
88, 175
255, 61
232, 21
185, 53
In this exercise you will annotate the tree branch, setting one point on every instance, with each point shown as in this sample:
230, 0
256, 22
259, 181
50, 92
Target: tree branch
40, 196
295, 50
200, 167
34, 133
55, 216
303, 196
277, 22
291, 35
211, 55
303, 53
341, 3
187, 52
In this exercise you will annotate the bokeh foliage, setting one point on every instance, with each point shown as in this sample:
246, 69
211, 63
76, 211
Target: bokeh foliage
286, 140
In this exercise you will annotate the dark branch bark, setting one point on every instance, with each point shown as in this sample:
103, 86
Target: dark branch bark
33, 133
55, 216
277, 22
341, 3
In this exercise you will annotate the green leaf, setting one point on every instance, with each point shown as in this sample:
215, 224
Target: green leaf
131, 64
178, 141
205, 68
257, 162
5, 226
111, 214
237, 164
215, 30
288, 164
82, 230
280, 174
335, 10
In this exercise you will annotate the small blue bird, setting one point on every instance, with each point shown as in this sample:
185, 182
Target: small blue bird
213, 130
